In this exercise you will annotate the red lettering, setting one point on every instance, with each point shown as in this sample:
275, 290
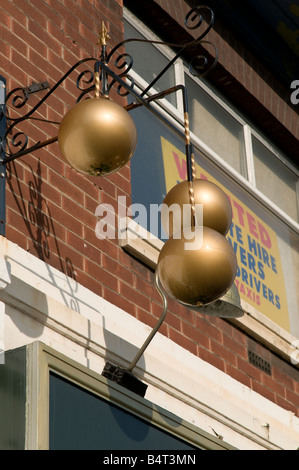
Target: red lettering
255, 227
249, 292
181, 167
242, 289
240, 212
252, 226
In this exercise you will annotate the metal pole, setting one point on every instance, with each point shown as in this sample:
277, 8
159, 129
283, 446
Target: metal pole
155, 329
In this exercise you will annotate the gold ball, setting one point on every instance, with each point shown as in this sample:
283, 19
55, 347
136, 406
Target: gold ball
217, 211
97, 136
198, 267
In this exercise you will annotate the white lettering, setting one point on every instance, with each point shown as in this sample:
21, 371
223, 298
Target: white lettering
112, 460
295, 94
105, 227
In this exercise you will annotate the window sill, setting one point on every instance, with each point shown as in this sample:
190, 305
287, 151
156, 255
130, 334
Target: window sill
139, 242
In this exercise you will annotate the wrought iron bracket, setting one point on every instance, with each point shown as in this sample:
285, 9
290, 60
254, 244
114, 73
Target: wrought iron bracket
14, 142
124, 376
35, 87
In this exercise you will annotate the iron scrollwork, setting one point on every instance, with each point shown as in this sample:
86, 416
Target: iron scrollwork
15, 142
17, 145
199, 66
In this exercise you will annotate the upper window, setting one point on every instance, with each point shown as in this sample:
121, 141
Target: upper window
275, 179
259, 180
213, 124
155, 60
216, 128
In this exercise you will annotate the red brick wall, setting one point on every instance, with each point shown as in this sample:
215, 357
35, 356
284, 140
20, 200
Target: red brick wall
243, 66
51, 208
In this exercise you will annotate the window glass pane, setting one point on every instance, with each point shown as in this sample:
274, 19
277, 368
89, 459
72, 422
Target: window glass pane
275, 179
81, 420
148, 62
215, 126
148, 180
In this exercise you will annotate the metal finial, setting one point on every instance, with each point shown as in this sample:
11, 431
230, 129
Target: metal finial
103, 35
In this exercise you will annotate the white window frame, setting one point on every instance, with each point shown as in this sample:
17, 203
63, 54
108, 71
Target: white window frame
41, 360
175, 116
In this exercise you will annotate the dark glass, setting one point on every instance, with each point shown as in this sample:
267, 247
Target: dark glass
81, 420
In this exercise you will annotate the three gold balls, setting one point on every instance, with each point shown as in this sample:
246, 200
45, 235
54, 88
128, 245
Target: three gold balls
197, 265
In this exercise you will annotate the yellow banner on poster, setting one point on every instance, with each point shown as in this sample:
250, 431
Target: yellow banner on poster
259, 278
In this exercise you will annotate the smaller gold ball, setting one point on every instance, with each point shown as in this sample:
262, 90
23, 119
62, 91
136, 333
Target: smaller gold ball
97, 136
197, 266
217, 211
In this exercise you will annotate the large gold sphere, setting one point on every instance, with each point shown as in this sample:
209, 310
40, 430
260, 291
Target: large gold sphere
197, 276
97, 136
217, 211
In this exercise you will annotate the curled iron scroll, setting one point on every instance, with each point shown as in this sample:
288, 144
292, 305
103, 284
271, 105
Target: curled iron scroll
16, 99
194, 20
19, 97
200, 65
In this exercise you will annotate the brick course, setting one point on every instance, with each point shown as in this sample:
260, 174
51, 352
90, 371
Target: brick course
51, 207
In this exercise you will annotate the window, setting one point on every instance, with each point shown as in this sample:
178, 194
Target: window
275, 178
259, 180
155, 61
49, 401
83, 420
213, 124
216, 128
